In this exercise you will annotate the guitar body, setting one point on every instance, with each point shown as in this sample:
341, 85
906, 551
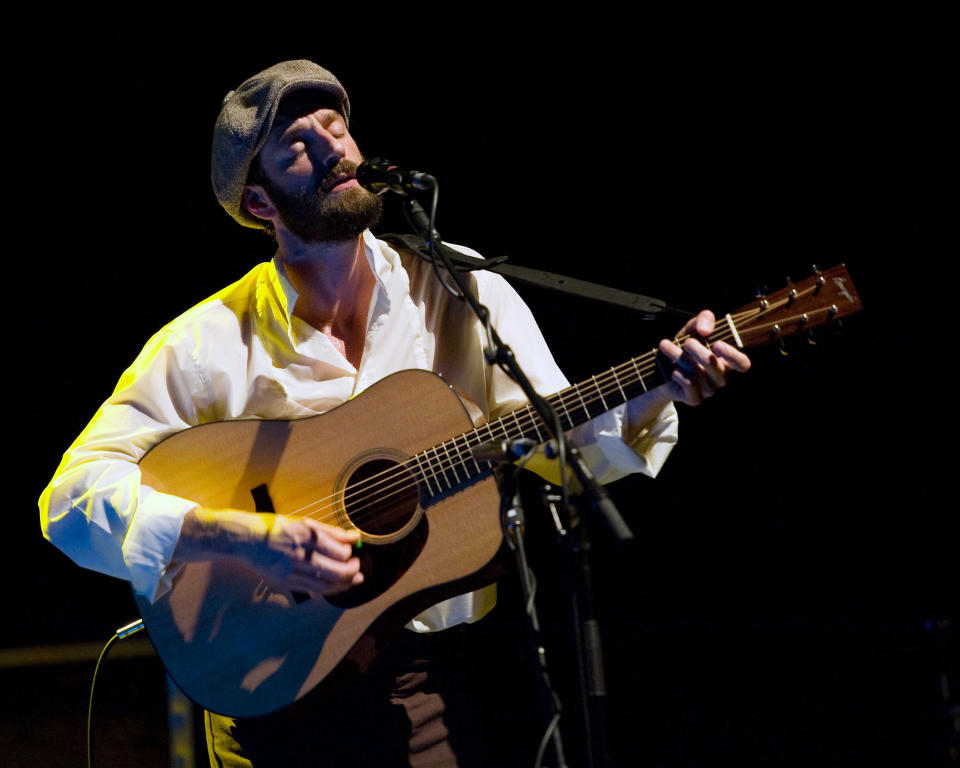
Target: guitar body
239, 647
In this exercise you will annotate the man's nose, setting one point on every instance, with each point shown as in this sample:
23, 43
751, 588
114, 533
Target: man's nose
328, 146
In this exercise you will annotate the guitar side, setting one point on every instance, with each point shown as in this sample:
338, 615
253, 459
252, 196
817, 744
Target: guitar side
236, 645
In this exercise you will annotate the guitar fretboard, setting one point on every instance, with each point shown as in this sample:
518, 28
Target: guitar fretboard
442, 469
450, 465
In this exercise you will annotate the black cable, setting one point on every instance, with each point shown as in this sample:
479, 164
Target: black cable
121, 633
494, 354
541, 750
433, 247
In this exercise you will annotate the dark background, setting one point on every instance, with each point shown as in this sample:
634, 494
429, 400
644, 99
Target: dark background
789, 594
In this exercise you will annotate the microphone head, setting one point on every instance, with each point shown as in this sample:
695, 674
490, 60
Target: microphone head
379, 175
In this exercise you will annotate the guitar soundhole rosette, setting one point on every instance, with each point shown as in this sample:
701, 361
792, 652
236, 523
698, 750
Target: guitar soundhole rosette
379, 496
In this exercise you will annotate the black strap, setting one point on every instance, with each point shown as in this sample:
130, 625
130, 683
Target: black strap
539, 277
461, 261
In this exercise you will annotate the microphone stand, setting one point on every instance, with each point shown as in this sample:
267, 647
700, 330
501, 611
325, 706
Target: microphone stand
514, 522
500, 354
587, 636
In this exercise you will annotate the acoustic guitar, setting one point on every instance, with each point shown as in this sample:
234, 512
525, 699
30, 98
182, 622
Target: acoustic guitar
401, 473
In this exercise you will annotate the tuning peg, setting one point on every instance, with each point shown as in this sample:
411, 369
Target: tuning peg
821, 280
775, 336
793, 291
761, 293
811, 339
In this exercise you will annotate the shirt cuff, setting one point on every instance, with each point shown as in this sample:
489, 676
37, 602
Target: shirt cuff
462, 609
613, 458
151, 540
654, 442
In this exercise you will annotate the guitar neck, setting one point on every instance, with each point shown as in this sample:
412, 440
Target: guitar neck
822, 298
449, 465
585, 400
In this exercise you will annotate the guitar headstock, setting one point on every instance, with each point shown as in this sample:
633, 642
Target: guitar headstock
820, 299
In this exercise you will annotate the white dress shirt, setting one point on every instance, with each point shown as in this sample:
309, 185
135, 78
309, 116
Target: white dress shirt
242, 354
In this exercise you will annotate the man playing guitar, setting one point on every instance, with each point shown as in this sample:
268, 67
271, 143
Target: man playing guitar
336, 311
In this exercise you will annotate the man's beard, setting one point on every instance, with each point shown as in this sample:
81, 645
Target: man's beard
316, 217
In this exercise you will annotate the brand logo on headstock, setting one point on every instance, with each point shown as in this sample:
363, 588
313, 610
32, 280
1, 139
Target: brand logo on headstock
842, 288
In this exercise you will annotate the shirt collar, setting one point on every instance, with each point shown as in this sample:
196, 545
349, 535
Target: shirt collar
381, 258
284, 288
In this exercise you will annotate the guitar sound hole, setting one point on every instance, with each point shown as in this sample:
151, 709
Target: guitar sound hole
381, 497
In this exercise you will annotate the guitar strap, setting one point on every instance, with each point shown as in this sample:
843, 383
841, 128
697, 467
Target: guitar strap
456, 334
650, 307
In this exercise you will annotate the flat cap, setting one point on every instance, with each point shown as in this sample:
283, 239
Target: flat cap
245, 121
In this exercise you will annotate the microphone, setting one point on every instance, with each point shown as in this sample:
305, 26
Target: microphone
379, 175
499, 451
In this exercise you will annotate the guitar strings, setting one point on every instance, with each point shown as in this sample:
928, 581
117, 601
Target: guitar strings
572, 398
448, 456
398, 478
439, 467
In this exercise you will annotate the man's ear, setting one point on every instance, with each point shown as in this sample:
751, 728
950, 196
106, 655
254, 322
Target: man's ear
257, 202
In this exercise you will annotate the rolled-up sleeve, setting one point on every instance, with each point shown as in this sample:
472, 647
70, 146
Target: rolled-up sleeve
95, 509
605, 449
601, 439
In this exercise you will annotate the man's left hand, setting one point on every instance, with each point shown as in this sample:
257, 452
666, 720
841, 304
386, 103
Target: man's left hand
700, 372
700, 369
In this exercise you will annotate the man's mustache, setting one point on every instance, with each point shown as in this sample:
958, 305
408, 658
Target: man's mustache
341, 170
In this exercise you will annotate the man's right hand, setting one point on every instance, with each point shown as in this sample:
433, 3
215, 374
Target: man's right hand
296, 554
307, 556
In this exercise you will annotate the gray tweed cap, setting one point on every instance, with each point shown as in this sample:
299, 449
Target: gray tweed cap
246, 118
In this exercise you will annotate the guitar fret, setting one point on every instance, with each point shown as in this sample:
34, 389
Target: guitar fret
463, 462
424, 475
563, 405
430, 477
452, 462
616, 378
489, 433
463, 448
639, 375
436, 466
480, 440
582, 401
469, 446
440, 469
519, 426
534, 418
600, 392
